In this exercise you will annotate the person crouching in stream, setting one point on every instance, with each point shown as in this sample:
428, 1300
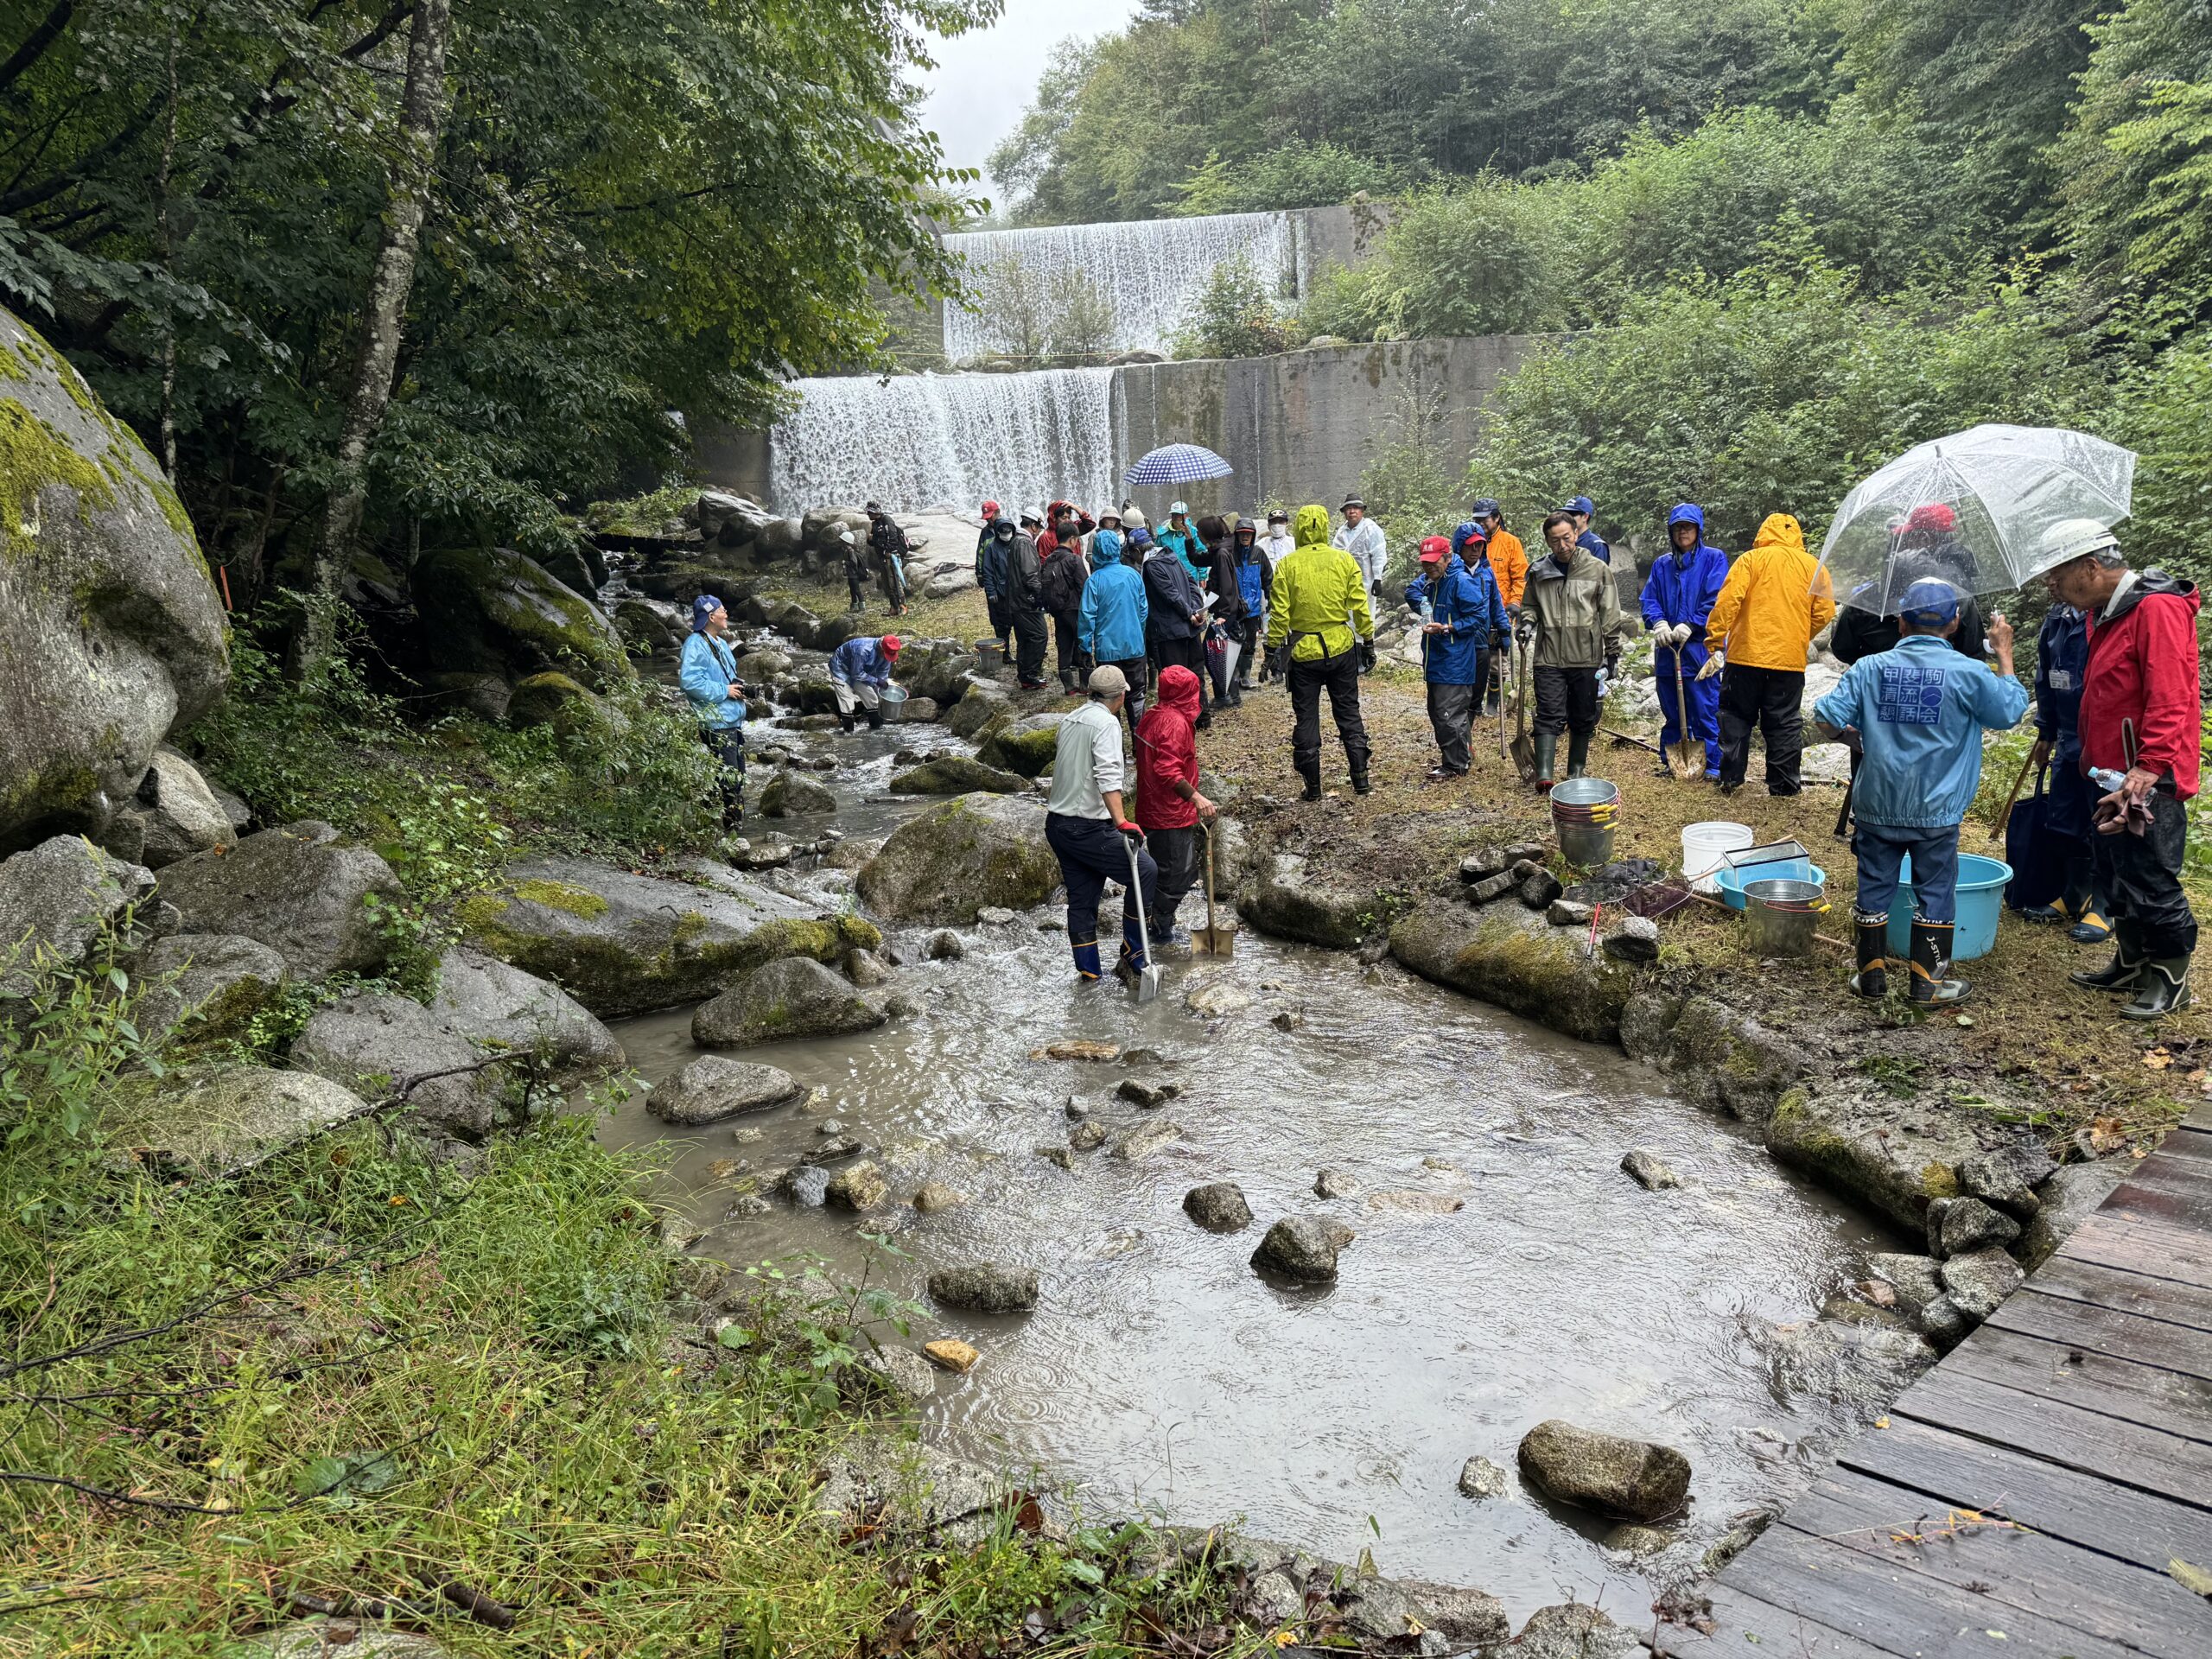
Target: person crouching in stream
1089, 830
707, 674
859, 670
1169, 806
1920, 711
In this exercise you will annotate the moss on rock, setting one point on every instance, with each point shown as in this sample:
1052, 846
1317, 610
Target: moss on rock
945, 865
1512, 957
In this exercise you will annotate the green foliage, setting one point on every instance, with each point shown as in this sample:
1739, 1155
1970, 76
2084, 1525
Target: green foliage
1409, 486
1232, 314
1062, 319
2164, 412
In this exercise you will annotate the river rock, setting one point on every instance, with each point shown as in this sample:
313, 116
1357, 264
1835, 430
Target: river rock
111, 633
1568, 912
374, 1042
935, 1197
2067, 1199
2006, 1177
1144, 1096
173, 814
491, 610
1517, 959
952, 1354
902, 1487
955, 774
1303, 1248
1025, 747
1216, 998
1335, 1183
1575, 1630
1456, 1612
712, 1089
980, 703
805, 1185
786, 1000
498, 1006
557, 700
218, 981
790, 795
1538, 888
221, 1120
57, 897
320, 1639
1218, 1206
302, 890
1087, 1137
984, 1288
623, 944
1891, 1162
867, 970
1651, 1171
859, 1187
901, 1373
1146, 1139
1479, 1478
1977, 1280
947, 864
1634, 939
1956, 1226
1285, 898
1913, 1280
944, 945
645, 631
1636, 1480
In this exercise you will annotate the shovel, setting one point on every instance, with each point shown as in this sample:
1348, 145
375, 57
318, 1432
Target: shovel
1147, 983
1524, 746
1213, 938
1685, 756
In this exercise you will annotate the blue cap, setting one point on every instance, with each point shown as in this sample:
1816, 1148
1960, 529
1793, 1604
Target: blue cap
1581, 504
1484, 508
1929, 604
1140, 536
702, 607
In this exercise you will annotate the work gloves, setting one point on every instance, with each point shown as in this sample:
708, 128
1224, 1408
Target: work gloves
1133, 834
1712, 666
1367, 656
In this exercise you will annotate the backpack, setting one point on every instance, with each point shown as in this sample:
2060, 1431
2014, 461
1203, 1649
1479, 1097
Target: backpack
1059, 585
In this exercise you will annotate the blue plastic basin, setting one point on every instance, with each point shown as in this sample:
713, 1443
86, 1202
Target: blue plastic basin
1732, 891
1981, 896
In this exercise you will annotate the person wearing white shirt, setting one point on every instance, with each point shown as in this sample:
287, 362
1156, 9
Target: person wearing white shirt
1362, 538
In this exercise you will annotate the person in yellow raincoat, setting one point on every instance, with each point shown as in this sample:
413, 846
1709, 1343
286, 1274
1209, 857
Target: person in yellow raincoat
1776, 598
1320, 630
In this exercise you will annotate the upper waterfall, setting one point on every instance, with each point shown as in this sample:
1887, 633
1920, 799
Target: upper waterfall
934, 441
1149, 270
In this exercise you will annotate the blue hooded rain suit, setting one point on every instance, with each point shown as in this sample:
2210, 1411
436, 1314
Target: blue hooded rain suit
1109, 625
1682, 588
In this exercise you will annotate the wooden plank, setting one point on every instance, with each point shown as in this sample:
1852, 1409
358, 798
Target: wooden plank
2167, 1186
1743, 1627
2006, 1565
2143, 1394
2125, 1292
2145, 1458
2137, 1244
2200, 1117
2186, 1143
2085, 1326
1960, 1472
1905, 1613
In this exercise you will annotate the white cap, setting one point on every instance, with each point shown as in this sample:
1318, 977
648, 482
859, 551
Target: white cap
1107, 681
1174, 507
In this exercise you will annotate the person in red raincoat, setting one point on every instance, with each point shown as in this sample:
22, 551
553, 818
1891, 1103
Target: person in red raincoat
1169, 805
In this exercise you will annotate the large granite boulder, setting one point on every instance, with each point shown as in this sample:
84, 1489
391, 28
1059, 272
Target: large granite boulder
221, 1120
1284, 897
980, 703
497, 1005
623, 944
975, 850
55, 899
218, 981
793, 999
492, 610
110, 630
955, 774
172, 815
794, 794
2069, 1198
302, 890
1636, 1480
1513, 957
711, 1089
377, 1044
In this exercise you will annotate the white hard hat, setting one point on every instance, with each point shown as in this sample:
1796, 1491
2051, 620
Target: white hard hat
2070, 538
845, 536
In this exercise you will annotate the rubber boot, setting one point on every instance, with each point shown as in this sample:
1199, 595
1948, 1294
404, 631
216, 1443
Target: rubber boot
876, 720
1578, 753
1932, 985
1493, 703
2162, 990
1871, 935
1313, 776
1546, 752
1067, 682
1360, 786
845, 723
2120, 974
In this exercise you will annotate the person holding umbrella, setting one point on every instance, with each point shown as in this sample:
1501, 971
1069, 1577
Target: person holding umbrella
1678, 600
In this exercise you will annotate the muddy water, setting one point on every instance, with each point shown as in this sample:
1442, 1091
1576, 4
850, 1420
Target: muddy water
1160, 1371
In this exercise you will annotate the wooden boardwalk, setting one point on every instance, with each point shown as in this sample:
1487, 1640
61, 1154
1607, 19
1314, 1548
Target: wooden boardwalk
2076, 1424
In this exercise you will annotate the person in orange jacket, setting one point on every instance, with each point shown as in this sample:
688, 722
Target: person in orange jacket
1508, 563
1778, 596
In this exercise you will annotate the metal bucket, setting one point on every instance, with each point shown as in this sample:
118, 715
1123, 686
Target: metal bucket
1780, 917
989, 658
1584, 815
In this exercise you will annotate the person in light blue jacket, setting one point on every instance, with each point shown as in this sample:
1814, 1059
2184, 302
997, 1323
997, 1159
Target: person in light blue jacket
708, 673
1920, 711
1110, 623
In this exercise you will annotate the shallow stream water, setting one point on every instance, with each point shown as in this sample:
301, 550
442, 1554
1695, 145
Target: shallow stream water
1158, 1370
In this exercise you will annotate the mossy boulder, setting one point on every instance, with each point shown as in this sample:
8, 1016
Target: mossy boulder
1285, 897
216, 982
955, 774
498, 1007
111, 630
787, 1000
645, 629
1514, 958
623, 944
1891, 1156
1026, 746
943, 866
302, 890
979, 704
549, 699
57, 897
220, 1121
491, 610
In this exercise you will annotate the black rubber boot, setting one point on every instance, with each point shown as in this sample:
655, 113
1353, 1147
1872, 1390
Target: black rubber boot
1932, 985
1493, 704
844, 722
2120, 974
1578, 753
876, 720
1313, 776
2162, 990
1360, 786
1547, 752
1871, 935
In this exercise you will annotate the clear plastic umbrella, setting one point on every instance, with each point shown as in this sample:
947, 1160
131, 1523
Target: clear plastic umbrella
1987, 510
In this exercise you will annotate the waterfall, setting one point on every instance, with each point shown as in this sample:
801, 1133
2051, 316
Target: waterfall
1150, 269
947, 440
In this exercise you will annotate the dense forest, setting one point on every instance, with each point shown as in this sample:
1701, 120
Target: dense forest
1795, 235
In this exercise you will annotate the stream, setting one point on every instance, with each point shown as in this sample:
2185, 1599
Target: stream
1160, 1372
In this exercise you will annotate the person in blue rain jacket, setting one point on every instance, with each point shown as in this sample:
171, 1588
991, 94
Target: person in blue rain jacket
1678, 598
707, 674
1110, 623
2061, 659
1466, 616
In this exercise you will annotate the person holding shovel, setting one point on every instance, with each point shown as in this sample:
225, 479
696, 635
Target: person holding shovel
1678, 600
1920, 711
1462, 614
1089, 832
1169, 805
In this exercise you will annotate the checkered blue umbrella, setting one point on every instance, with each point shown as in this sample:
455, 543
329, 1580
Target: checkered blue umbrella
1178, 463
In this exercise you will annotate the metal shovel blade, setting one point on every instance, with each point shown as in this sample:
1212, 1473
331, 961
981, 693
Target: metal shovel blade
1213, 938
1146, 986
1148, 983
1685, 756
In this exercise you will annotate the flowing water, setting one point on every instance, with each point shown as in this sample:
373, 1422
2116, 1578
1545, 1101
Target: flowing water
922, 442
1159, 1370
1149, 270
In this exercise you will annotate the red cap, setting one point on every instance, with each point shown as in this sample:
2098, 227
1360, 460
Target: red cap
1936, 517
1433, 548
890, 644
990, 509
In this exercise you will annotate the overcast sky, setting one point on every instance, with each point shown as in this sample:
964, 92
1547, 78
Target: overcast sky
983, 81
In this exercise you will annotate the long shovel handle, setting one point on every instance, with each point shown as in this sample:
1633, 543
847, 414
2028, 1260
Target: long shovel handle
2004, 812
1136, 898
1211, 932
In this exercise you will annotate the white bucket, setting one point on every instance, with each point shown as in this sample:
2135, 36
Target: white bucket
1704, 846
